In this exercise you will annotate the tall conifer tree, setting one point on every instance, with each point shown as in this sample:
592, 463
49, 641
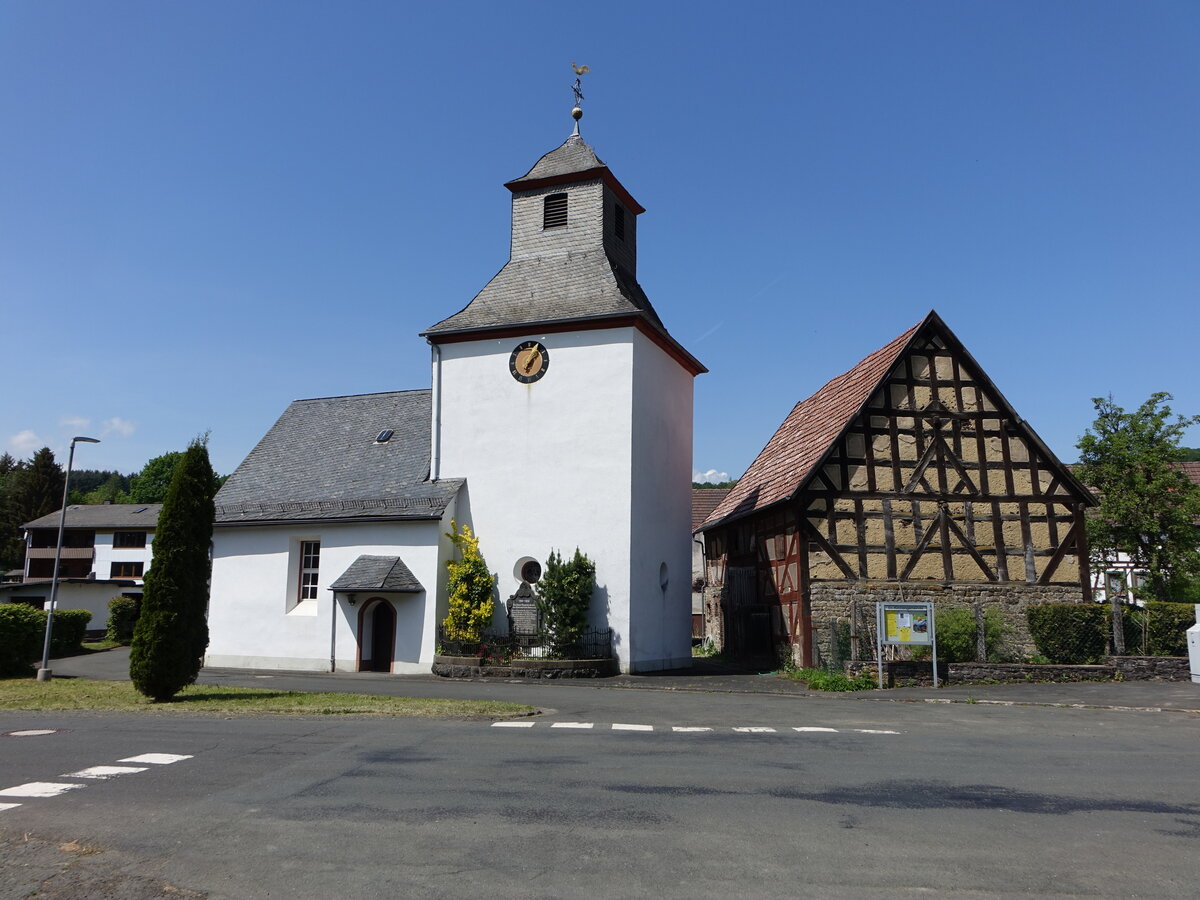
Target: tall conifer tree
171, 634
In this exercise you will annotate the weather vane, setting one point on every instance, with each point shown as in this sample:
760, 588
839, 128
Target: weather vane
577, 87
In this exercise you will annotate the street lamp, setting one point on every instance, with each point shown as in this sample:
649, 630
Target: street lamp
44, 673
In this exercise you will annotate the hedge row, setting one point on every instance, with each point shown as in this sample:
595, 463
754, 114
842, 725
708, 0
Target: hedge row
23, 630
1080, 634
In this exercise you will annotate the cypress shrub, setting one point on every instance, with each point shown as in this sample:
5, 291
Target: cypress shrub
1070, 633
21, 633
70, 626
171, 634
122, 616
564, 595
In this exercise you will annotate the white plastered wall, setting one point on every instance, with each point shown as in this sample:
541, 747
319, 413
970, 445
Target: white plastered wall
661, 513
255, 621
548, 464
107, 554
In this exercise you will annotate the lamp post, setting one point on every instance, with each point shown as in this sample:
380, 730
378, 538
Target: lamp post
44, 673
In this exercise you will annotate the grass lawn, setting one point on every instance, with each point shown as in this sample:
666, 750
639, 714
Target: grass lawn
77, 693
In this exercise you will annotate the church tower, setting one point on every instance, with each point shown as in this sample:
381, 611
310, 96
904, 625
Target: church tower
561, 398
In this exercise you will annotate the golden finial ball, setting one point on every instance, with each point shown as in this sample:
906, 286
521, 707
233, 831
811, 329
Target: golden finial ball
577, 114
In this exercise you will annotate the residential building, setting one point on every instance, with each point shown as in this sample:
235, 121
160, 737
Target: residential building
107, 550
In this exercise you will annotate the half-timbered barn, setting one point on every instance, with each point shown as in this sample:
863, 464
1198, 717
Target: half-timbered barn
909, 477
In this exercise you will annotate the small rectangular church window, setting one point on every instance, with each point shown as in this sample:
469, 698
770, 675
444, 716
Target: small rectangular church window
554, 211
619, 222
310, 562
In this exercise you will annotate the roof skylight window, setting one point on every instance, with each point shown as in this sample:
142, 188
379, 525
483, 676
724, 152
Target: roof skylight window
384, 436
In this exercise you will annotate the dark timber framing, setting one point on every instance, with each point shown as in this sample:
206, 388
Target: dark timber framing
932, 478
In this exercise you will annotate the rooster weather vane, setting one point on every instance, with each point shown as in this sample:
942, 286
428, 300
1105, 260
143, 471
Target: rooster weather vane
577, 87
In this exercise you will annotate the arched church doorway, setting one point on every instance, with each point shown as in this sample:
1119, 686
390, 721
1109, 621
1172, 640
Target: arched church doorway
376, 636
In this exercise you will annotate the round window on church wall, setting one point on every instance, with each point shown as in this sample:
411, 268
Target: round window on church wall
529, 570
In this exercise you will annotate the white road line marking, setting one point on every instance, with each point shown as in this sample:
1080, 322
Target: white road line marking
4, 806
33, 732
690, 728
512, 724
619, 726
756, 729
156, 759
874, 731
102, 772
813, 728
39, 789
571, 725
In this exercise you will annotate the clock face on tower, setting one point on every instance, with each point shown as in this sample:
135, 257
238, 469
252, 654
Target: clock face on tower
529, 362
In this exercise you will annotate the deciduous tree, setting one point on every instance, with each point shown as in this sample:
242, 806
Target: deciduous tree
1148, 506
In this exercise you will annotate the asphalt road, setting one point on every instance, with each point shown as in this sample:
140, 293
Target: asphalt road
963, 800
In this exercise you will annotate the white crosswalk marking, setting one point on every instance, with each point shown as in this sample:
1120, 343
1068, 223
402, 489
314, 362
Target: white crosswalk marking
33, 732
814, 728
874, 731
39, 789
690, 728
619, 726
571, 725
521, 724
756, 729
4, 806
156, 759
102, 772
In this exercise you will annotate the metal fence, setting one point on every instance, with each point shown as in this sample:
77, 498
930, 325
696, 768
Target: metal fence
594, 643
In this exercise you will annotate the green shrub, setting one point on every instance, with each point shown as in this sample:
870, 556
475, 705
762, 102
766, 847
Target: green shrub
70, 625
564, 595
825, 680
1169, 623
21, 631
955, 633
1070, 633
122, 616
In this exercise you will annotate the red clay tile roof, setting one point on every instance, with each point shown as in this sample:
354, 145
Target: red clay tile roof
704, 501
808, 432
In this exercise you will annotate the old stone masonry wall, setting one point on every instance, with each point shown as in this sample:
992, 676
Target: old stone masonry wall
832, 601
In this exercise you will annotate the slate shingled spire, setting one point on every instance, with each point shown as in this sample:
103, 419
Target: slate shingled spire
577, 271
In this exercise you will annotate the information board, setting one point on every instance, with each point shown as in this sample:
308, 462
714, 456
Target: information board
907, 624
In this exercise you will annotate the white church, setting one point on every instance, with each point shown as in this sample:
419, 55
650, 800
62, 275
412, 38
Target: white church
559, 416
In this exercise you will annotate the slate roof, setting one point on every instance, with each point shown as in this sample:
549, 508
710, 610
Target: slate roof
580, 285
321, 461
796, 450
378, 573
142, 516
704, 501
574, 155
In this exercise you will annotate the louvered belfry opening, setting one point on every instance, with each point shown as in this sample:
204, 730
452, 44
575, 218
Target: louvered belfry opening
619, 222
554, 211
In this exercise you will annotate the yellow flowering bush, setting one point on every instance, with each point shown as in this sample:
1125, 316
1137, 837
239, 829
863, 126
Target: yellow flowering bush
470, 589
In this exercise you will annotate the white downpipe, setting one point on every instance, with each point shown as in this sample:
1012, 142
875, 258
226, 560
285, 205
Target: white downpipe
435, 449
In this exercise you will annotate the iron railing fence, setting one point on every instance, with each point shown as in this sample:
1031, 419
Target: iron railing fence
593, 643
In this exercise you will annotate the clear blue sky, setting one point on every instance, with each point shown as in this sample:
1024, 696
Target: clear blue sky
209, 209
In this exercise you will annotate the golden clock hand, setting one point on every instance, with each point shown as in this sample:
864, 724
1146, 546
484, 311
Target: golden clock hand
530, 360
